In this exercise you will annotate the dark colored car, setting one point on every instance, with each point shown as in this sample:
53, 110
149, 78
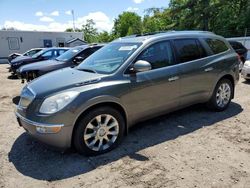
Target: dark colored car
30, 53
70, 58
92, 106
45, 54
240, 49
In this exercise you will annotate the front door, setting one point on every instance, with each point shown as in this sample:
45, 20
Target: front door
157, 90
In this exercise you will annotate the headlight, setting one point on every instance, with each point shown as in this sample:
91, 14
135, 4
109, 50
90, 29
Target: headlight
57, 102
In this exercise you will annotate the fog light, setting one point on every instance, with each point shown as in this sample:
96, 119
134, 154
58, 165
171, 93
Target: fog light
48, 130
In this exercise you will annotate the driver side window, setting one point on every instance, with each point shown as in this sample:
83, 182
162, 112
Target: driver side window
158, 55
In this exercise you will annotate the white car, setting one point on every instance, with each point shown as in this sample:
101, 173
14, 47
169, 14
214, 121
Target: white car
245, 72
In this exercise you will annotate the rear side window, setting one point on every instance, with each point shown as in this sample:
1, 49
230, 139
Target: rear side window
158, 55
217, 46
189, 50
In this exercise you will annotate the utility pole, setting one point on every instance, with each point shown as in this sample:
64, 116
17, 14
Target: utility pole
73, 16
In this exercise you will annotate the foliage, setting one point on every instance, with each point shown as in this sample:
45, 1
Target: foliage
90, 32
127, 23
224, 17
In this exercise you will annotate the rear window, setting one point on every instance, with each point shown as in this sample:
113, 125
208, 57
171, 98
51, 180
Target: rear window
217, 46
189, 50
236, 45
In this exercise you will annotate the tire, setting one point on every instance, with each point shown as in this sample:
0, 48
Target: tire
216, 103
89, 131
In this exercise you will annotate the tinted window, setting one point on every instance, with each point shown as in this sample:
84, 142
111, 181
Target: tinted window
217, 46
236, 45
158, 55
189, 50
88, 52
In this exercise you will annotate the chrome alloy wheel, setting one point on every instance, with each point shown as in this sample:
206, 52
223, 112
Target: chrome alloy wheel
223, 95
101, 132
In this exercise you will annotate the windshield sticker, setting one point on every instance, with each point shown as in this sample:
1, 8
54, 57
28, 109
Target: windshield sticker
127, 48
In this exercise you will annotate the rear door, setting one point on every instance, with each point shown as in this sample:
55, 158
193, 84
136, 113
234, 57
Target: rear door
194, 70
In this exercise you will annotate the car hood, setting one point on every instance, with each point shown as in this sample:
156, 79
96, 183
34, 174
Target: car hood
61, 80
39, 65
21, 58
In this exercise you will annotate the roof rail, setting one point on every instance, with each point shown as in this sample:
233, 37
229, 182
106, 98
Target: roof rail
146, 34
162, 32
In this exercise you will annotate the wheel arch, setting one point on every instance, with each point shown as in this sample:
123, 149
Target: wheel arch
112, 104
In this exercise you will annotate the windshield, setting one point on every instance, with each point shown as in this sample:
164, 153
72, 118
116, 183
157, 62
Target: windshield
109, 58
69, 54
39, 53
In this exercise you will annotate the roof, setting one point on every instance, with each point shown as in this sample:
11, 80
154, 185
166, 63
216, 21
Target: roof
85, 46
56, 48
75, 39
168, 34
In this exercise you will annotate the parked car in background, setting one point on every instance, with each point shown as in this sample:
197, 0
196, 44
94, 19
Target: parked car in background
246, 71
71, 58
241, 50
92, 106
30, 53
45, 54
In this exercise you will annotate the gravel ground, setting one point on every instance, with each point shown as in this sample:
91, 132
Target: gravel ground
188, 148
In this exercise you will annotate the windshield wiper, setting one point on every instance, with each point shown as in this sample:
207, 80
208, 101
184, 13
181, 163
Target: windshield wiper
87, 70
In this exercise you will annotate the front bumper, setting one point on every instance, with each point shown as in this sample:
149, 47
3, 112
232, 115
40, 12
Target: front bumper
61, 139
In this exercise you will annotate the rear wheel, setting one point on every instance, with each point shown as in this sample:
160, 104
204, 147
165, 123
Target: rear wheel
99, 131
222, 95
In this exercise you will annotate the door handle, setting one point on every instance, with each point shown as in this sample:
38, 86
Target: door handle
172, 79
209, 69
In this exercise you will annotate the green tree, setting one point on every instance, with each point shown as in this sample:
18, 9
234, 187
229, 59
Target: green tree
104, 37
127, 23
156, 19
90, 32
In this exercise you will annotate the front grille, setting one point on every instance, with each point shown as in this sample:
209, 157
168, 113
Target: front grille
27, 96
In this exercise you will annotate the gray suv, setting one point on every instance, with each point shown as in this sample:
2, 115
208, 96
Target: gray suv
92, 106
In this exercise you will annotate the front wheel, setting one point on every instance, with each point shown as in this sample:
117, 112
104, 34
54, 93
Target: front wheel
99, 131
222, 95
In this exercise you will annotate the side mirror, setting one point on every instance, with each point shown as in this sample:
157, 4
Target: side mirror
78, 59
141, 66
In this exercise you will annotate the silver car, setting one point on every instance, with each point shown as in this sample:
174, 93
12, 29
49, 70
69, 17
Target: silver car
92, 106
246, 71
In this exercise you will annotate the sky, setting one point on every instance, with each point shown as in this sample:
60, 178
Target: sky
55, 15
